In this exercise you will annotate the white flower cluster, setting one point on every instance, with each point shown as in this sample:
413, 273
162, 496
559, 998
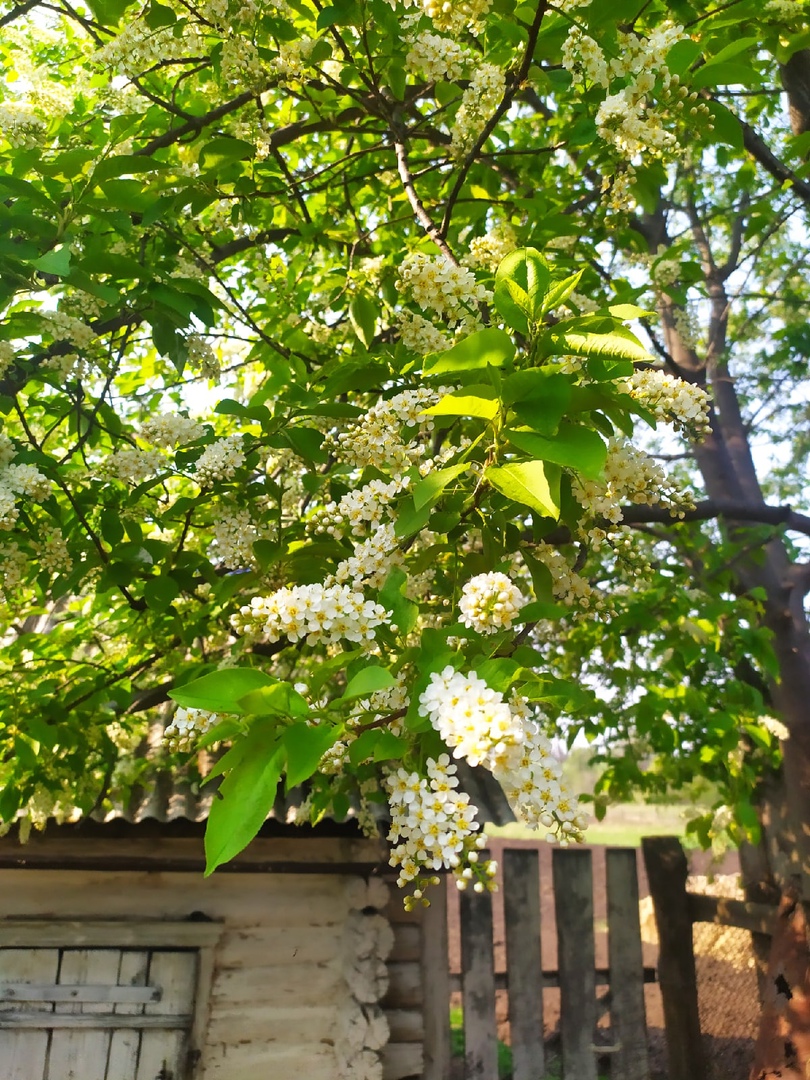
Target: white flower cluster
133, 465
20, 124
672, 400
293, 58
7, 354
377, 437
531, 778
420, 335
327, 613
66, 328
478, 102
631, 475
17, 481
472, 718
14, 563
186, 727
139, 47
453, 16
437, 58
202, 358
625, 118
220, 460
488, 251
432, 824
241, 64
490, 602
566, 584
372, 559
170, 429
53, 554
436, 284
356, 509
234, 536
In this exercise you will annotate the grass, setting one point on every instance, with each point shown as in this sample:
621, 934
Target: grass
554, 1066
623, 826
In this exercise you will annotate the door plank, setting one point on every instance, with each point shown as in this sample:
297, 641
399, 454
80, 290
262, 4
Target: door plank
125, 1044
51, 992
163, 1053
82, 1054
23, 1053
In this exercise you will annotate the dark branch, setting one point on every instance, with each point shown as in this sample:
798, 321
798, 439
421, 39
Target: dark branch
784, 516
761, 152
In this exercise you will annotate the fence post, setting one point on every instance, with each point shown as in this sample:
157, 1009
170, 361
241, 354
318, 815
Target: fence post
573, 903
435, 962
478, 986
626, 962
524, 962
667, 872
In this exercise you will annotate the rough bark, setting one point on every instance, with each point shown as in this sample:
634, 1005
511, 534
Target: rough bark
729, 473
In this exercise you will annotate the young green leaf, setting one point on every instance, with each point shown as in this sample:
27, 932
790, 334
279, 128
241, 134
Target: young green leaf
305, 745
527, 483
221, 691
490, 346
368, 681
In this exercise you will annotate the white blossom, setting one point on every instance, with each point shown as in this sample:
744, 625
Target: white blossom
220, 460
490, 602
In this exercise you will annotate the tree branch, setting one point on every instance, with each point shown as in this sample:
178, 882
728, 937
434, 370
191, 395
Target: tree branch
424, 218
786, 516
761, 152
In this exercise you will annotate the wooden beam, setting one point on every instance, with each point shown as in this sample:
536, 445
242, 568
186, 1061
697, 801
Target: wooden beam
758, 918
92, 1021
573, 904
108, 933
478, 986
124, 995
434, 965
524, 963
627, 1008
551, 979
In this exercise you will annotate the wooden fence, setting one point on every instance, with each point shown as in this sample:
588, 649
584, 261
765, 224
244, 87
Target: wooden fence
624, 1043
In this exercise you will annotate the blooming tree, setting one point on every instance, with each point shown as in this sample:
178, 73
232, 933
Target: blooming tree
333, 340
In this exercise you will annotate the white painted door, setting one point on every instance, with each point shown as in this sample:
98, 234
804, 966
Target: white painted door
96, 1014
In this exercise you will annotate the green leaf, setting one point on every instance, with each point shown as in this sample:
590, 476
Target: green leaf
722, 74
278, 699
367, 682
410, 520
161, 592
244, 799
574, 446
476, 401
491, 347
431, 486
123, 165
619, 344
390, 747
682, 55
727, 127
404, 612
158, 15
364, 746
560, 292
539, 397
363, 315
223, 151
56, 262
305, 745
221, 691
521, 284
526, 483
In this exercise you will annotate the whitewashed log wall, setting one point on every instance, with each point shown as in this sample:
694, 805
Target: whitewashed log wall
298, 972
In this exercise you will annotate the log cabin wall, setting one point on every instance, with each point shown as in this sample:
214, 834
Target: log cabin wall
298, 968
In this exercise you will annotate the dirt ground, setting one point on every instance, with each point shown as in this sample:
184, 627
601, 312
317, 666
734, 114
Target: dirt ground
726, 976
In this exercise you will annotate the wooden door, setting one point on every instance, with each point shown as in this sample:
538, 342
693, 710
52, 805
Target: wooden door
96, 1014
